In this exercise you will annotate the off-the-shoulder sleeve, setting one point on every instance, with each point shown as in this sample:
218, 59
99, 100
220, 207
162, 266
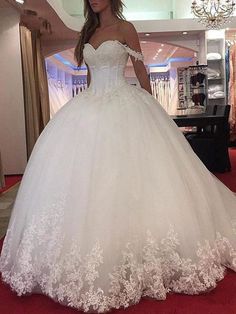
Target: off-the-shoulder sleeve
137, 55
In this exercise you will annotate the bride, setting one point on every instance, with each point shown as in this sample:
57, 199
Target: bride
114, 205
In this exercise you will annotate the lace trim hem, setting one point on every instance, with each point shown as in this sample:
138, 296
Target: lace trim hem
71, 279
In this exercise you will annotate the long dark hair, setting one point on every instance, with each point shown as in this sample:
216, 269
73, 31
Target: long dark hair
91, 23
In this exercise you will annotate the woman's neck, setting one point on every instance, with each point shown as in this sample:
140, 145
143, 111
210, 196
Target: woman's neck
107, 18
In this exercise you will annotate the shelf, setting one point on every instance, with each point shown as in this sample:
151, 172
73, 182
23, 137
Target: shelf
215, 60
223, 97
217, 46
199, 87
216, 78
215, 39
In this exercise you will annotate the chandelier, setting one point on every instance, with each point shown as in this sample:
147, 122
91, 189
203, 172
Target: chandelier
213, 13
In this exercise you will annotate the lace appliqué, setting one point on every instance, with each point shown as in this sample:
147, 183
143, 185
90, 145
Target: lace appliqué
137, 55
49, 261
234, 224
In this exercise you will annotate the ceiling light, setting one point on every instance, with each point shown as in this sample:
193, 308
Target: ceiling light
162, 45
143, 42
185, 33
213, 13
20, 1
160, 50
147, 34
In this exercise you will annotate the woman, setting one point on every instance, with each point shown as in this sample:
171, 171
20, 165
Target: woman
114, 205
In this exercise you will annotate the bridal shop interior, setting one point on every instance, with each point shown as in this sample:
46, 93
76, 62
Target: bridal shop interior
188, 67
192, 73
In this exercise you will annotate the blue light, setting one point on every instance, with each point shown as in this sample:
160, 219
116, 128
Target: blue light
158, 65
180, 59
68, 63
168, 61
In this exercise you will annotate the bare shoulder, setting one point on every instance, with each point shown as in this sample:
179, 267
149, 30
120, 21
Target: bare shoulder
127, 26
130, 35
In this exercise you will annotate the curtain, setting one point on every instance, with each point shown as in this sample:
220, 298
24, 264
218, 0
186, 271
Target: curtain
42, 79
2, 179
232, 93
36, 98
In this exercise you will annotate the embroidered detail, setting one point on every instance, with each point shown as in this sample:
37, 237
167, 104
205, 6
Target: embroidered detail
113, 92
136, 54
234, 225
74, 278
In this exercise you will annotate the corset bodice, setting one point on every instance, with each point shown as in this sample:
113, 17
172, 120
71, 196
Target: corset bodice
107, 64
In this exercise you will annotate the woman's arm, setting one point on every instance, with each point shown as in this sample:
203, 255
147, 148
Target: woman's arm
131, 38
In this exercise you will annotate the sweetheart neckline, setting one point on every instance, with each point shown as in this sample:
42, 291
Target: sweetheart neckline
106, 41
135, 54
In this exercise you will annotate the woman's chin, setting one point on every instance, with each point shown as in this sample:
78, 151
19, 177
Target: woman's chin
96, 10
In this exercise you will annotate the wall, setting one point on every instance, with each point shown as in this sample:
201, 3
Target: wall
133, 10
202, 48
182, 9
183, 18
12, 123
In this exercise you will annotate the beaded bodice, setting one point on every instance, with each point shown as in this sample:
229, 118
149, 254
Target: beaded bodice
107, 64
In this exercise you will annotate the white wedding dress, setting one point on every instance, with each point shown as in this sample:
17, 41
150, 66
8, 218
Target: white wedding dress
114, 205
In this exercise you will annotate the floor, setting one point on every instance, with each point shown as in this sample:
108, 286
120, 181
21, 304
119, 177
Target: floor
6, 203
10, 180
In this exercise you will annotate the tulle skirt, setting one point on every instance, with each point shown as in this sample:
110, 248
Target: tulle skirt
114, 205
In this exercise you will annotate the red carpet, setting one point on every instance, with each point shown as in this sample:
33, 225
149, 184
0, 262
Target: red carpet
221, 300
10, 180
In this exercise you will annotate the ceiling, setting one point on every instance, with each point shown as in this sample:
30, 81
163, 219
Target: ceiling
133, 10
34, 13
63, 39
4, 4
141, 10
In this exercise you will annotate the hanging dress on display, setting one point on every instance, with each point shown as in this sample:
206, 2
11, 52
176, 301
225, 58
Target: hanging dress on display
232, 93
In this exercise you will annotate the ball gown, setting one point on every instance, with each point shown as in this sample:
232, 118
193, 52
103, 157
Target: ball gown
114, 205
